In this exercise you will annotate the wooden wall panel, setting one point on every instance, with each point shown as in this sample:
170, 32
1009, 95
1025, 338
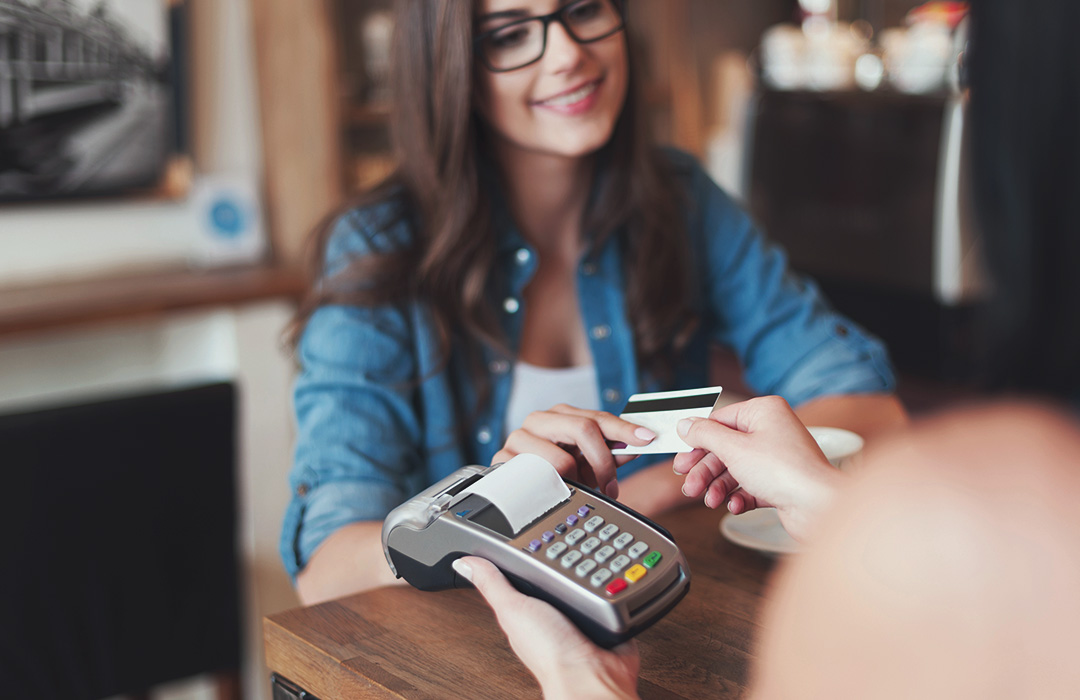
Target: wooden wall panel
296, 58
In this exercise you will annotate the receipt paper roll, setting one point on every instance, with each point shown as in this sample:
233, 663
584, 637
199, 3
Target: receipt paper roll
523, 488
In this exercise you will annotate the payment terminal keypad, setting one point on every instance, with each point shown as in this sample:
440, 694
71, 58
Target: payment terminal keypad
600, 554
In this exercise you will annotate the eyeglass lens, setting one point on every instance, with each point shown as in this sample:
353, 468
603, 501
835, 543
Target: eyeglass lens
520, 43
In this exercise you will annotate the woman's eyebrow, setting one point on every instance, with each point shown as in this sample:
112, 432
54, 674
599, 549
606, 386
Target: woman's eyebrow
504, 14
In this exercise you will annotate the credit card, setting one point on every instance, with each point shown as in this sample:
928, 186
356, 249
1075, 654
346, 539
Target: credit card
661, 412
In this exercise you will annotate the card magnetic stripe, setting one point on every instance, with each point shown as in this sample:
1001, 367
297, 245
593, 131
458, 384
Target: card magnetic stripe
678, 403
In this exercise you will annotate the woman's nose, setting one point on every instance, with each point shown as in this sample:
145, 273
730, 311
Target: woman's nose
563, 52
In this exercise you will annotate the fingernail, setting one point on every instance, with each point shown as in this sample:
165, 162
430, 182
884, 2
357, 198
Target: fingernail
684, 426
462, 568
683, 489
612, 489
644, 434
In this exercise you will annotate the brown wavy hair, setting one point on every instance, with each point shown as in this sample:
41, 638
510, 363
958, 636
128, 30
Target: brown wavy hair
438, 188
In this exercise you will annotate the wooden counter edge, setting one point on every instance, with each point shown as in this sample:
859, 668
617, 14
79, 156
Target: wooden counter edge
314, 671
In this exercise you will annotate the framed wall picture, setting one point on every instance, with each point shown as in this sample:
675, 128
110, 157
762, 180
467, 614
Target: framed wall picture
92, 99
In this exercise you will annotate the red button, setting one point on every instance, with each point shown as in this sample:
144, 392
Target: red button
616, 586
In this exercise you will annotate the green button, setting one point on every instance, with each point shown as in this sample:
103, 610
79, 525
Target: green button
653, 559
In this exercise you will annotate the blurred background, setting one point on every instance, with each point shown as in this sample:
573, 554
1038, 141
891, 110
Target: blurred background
161, 163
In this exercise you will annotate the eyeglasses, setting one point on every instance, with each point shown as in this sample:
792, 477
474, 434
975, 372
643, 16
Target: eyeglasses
523, 42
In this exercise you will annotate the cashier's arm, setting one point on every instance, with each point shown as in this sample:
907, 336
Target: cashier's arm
869, 415
657, 489
349, 561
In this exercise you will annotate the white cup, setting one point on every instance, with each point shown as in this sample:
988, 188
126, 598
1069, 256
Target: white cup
840, 446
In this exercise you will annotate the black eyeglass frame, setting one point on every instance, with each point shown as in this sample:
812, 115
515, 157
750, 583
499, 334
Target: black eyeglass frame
556, 16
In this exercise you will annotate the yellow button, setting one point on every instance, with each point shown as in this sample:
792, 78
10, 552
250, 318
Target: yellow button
635, 572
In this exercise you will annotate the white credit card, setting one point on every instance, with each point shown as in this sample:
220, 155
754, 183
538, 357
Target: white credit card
661, 412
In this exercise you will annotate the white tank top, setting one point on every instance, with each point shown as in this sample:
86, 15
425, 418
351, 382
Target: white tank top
539, 388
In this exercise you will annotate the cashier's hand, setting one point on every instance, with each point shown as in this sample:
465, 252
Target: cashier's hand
756, 454
565, 662
575, 441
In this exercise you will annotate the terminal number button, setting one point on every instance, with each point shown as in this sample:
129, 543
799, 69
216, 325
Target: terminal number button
638, 549
592, 523
600, 578
623, 540
589, 545
585, 567
556, 549
574, 537
608, 531
570, 558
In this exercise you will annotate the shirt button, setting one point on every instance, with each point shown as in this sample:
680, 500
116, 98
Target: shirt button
611, 395
511, 305
483, 436
302, 490
600, 332
841, 330
522, 256
499, 367
588, 269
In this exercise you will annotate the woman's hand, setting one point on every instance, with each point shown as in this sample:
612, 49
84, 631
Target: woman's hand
755, 454
564, 661
576, 442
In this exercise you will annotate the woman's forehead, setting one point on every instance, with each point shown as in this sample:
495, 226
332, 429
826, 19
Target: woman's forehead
516, 8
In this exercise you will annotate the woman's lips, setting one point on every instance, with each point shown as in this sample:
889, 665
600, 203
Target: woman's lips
577, 101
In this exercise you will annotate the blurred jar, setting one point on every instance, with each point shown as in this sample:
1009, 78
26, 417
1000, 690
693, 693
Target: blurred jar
782, 49
376, 33
917, 59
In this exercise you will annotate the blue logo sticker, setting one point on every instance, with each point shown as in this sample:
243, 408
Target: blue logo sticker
227, 218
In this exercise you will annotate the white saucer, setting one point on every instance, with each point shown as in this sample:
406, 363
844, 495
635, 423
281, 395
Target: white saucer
839, 445
759, 529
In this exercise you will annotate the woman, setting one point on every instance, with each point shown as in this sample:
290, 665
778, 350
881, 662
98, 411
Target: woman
531, 249
949, 568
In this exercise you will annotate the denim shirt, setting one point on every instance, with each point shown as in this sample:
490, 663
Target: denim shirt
378, 415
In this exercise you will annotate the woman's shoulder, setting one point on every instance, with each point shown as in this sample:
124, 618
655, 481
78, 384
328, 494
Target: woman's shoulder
703, 198
679, 162
691, 174
378, 224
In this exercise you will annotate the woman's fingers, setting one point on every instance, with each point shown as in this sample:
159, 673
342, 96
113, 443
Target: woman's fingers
521, 441
588, 432
615, 429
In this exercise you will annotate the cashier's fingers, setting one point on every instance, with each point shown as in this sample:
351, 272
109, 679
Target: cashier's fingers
712, 478
685, 461
542, 637
742, 502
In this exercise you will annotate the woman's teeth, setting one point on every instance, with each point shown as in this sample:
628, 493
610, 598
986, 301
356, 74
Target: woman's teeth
571, 97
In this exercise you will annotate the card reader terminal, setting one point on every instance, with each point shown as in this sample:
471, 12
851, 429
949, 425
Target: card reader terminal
609, 569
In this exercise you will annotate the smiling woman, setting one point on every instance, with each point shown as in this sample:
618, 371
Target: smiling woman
569, 110
530, 223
